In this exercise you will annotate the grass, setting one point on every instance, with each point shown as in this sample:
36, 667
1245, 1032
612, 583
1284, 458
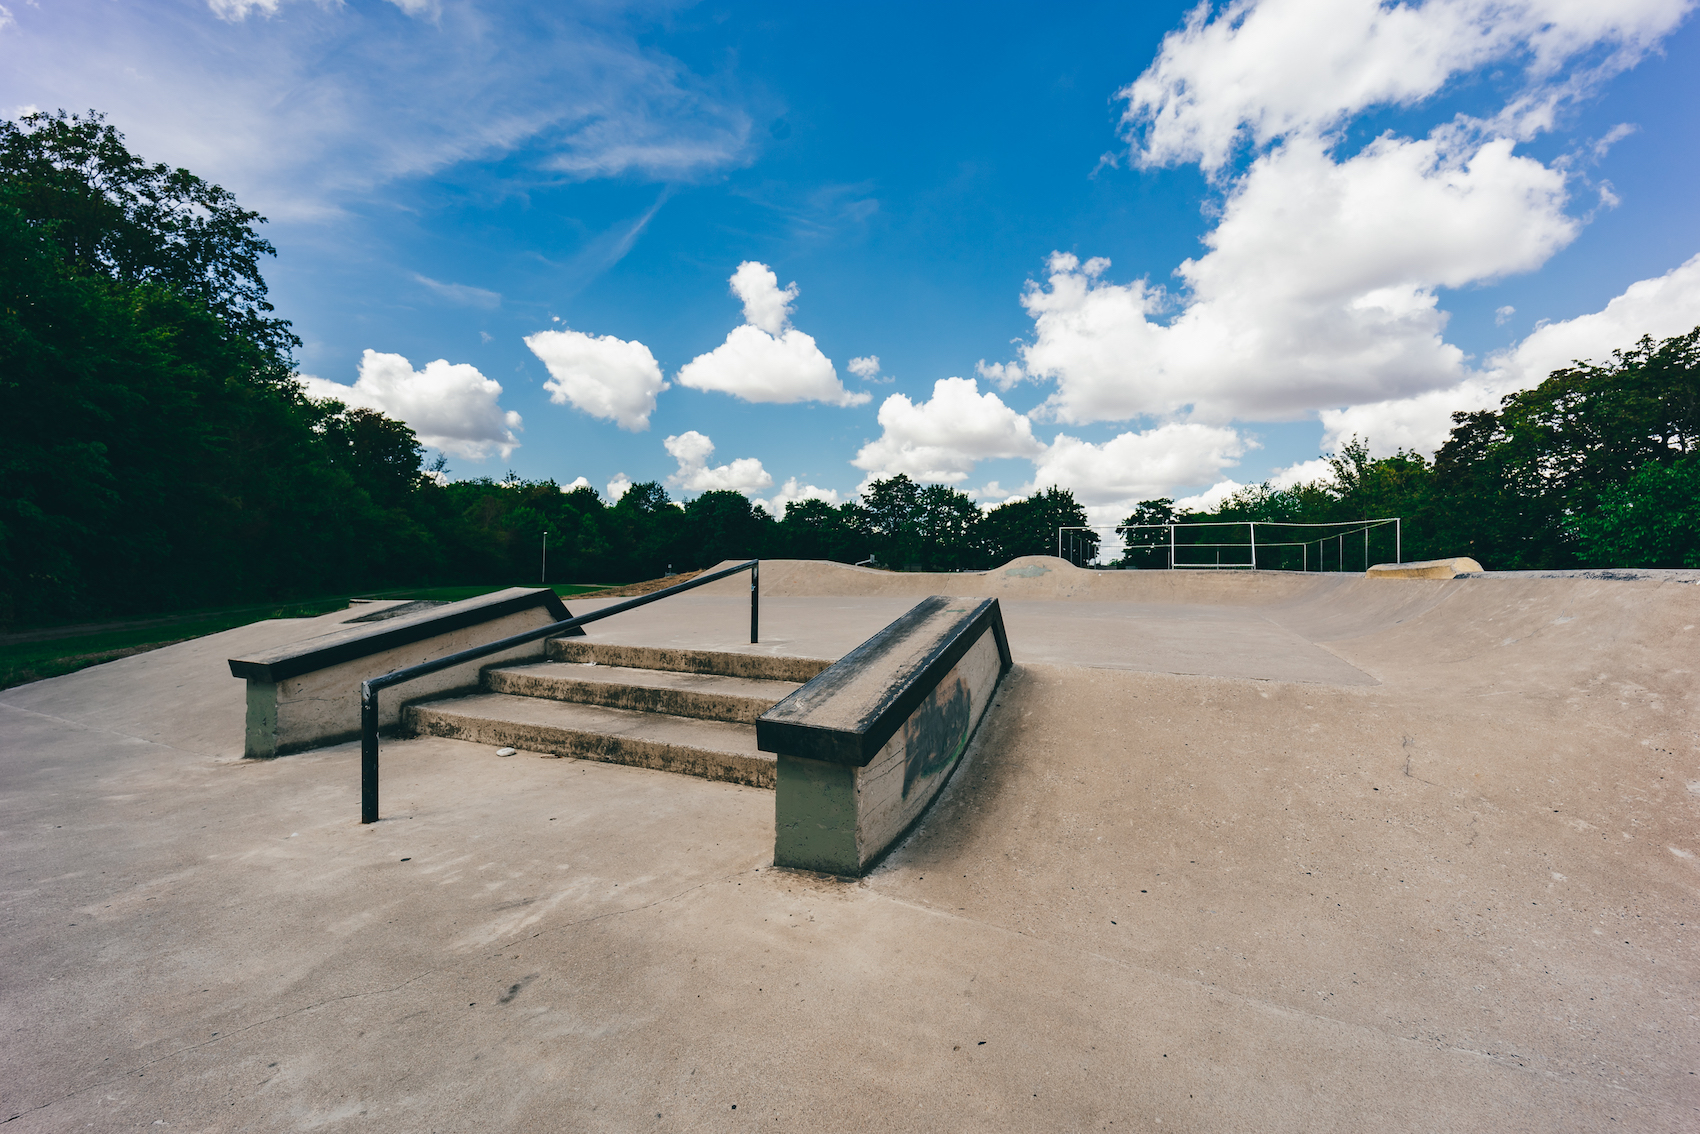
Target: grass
38, 654
455, 594
80, 647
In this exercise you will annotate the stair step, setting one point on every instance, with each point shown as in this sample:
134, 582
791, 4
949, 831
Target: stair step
706, 696
727, 663
713, 750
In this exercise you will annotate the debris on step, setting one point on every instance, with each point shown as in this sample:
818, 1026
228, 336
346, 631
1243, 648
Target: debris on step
506, 751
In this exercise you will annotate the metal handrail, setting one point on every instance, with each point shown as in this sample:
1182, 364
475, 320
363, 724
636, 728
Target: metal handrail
370, 687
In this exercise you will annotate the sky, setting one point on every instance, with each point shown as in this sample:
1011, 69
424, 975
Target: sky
1134, 250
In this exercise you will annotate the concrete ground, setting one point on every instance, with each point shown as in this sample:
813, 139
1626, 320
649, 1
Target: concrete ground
1231, 853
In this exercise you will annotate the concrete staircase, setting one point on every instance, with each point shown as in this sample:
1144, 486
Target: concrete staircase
686, 711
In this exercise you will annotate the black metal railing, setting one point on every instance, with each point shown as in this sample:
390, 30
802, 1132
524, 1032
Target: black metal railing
370, 688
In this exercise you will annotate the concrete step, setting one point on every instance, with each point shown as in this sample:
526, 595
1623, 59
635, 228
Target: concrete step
707, 696
727, 663
713, 750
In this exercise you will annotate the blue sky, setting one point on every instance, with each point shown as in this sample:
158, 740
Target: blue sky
1320, 218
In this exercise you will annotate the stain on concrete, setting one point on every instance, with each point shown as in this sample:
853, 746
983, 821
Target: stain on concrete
936, 734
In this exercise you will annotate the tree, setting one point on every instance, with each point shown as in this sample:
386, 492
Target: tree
1029, 527
1145, 545
1653, 520
114, 215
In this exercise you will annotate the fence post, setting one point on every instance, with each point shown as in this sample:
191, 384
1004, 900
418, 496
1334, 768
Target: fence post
1253, 524
1398, 540
755, 600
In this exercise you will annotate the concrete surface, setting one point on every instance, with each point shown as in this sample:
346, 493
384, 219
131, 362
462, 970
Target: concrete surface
1454, 892
709, 696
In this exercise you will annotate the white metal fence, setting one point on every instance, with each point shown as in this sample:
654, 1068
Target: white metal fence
1242, 545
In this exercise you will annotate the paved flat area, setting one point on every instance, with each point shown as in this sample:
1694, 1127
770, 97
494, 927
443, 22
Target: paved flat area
1450, 884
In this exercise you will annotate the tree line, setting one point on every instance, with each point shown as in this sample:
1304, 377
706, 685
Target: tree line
157, 452
1597, 466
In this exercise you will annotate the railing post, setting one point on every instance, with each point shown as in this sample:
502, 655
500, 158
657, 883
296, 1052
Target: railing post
755, 600
368, 753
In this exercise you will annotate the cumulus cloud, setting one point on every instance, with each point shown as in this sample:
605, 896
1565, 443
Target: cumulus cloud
1314, 471
577, 483
1661, 307
617, 487
1258, 71
1319, 287
606, 377
1210, 499
792, 491
451, 406
865, 368
1138, 466
941, 439
1321, 281
766, 359
691, 449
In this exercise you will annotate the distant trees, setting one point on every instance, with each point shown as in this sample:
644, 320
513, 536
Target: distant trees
1599, 465
157, 452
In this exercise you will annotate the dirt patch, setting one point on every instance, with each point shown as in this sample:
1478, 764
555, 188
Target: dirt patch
649, 586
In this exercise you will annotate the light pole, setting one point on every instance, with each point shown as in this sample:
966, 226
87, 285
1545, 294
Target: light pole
543, 576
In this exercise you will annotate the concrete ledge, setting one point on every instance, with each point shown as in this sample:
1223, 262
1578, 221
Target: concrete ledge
1425, 569
863, 748
307, 694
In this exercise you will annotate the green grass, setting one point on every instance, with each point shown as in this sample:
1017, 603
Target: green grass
52, 654
455, 594
22, 662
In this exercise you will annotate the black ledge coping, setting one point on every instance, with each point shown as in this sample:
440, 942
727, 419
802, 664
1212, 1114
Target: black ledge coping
903, 691
346, 645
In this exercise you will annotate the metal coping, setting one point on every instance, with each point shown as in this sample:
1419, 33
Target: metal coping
859, 745
380, 637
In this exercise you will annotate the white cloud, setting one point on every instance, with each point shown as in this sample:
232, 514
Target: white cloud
1210, 499
864, 368
1138, 466
1004, 375
941, 439
6, 18
1314, 471
1284, 68
618, 486
350, 99
1319, 288
1502, 315
766, 360
606, 377
578, 482
766, 304
792, 492
463, 295
451, 406
1661, 307
691, 449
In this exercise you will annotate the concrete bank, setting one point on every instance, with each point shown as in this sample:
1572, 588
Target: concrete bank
1456, 893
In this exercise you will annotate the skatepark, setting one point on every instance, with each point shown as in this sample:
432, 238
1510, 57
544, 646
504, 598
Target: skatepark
1237, 851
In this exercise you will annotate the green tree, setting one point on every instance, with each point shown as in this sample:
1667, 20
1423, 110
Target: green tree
1652, 520
114, 215
1029, 527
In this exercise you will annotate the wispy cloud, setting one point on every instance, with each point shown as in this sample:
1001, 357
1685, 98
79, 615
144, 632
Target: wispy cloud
352, 98
463, 295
